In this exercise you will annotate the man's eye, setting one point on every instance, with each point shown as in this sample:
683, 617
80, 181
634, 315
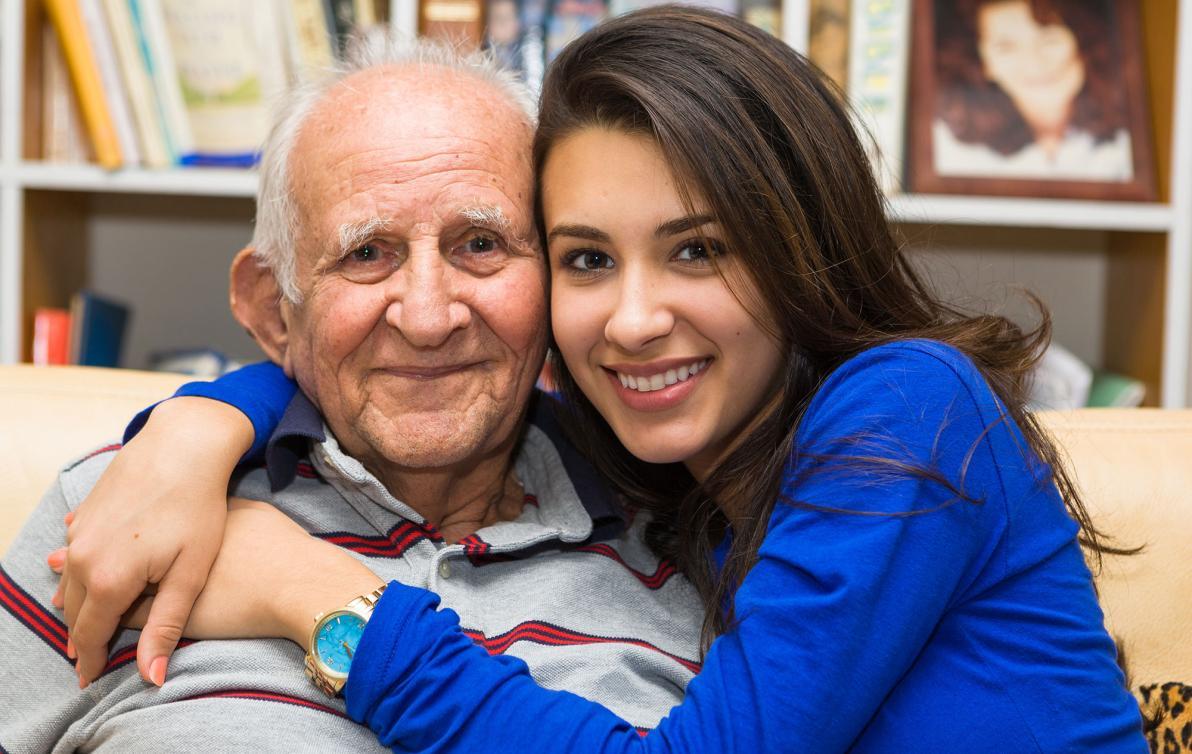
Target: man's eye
366, 253
589, 261
482, 244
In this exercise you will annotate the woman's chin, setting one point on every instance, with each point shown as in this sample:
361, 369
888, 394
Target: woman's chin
660, 451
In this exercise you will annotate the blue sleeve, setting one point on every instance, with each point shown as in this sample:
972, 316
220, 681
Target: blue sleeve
833, 614
261, 391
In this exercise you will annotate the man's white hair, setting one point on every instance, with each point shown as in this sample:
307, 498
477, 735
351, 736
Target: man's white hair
277, 221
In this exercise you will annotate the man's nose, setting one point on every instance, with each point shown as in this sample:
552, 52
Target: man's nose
426, 308
641, 314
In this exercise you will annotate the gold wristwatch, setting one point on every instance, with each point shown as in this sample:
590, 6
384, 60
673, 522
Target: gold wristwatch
334, 639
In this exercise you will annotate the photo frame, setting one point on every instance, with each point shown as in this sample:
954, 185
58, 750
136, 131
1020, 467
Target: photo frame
1007, 103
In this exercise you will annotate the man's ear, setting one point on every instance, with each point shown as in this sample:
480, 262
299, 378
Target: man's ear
256, 302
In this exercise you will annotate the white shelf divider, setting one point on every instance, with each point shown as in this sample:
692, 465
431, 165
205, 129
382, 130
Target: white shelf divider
184, 181
12, 42
1177, 315
1029, 213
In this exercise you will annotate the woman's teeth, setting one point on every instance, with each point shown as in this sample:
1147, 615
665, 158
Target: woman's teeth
662, 379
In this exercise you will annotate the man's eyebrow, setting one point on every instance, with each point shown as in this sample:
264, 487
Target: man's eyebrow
682, 225
487, 215
353, 235
584, 232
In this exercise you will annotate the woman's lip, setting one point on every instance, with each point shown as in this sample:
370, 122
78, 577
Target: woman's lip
656, 400
656, 367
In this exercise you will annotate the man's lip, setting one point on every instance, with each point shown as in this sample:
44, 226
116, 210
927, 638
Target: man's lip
427, 372
651, 368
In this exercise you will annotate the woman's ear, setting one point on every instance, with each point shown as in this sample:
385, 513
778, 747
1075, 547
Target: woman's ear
256, 302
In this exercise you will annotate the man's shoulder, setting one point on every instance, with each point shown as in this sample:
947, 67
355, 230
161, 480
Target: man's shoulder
80, 473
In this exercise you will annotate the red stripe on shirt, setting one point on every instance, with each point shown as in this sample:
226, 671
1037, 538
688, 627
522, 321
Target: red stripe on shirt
32, 614
656, 580
100, 451
548, 634
391, 545
267, 696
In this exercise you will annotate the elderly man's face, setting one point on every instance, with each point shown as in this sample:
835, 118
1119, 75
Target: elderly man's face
422, 327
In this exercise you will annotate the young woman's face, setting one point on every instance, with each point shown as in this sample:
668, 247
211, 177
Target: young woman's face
1038, 66
650, 331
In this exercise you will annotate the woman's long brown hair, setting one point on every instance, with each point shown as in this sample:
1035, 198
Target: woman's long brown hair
753, 129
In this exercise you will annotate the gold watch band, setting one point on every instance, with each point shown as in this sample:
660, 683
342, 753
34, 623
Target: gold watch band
362, 605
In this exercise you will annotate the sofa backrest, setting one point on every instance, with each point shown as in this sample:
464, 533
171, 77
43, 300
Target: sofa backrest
1134, 466
50, 415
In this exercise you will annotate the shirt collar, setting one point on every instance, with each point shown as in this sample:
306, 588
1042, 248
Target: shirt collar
302, 424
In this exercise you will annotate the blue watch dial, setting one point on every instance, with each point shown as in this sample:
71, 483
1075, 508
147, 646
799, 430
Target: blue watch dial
335, 643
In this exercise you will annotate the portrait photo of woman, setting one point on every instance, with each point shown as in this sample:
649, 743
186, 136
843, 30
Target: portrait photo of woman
1047, 92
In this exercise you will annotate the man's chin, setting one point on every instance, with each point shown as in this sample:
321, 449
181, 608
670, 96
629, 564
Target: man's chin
428, 440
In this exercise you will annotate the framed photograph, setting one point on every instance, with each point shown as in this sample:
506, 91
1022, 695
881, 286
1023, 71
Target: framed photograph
1038, 98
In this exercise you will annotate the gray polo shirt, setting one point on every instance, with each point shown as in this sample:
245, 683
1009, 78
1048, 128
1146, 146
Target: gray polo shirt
569, 586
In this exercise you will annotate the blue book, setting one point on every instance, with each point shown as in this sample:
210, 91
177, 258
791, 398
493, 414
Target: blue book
97, 330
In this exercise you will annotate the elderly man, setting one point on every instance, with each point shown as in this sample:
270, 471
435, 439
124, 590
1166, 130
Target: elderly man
395, 220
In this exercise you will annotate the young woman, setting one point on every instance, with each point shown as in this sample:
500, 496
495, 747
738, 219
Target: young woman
842, 465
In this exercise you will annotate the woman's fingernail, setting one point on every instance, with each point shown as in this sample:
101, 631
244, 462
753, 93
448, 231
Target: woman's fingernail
56, 601
57, 559
157, 671
70, 650
68, 518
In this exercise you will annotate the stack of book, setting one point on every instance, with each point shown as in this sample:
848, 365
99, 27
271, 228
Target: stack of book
161, 83
90, 333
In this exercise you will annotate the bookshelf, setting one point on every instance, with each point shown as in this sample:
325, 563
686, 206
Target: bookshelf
1117, 275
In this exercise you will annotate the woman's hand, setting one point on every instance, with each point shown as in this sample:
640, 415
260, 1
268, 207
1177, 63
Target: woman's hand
270, 580
155, 518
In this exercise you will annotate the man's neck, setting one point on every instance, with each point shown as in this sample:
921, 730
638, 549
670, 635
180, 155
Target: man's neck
463, 498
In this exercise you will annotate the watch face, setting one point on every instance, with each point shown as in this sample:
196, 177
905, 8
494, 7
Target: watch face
336, 640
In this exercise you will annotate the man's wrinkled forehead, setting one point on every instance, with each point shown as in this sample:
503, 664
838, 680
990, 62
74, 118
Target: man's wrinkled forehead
412, 113
385, 135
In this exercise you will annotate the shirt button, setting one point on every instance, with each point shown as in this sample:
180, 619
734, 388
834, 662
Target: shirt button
445, 569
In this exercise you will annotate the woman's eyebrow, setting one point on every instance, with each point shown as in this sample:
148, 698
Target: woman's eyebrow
585, 232
682, 225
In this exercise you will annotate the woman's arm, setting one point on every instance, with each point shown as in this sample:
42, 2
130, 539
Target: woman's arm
156, 516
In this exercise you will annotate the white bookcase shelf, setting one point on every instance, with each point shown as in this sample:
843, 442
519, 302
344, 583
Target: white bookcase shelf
180, 181
1030, 213
1145, 249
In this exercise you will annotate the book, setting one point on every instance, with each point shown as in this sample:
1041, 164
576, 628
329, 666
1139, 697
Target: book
456, 21
203, 363
67, 19
218, 67
827, 43
51, 336
879, 56
308, 38
158, 56
95, 21
138, 87
64, 136
568, 20
341, 21
97, 330
1111, 390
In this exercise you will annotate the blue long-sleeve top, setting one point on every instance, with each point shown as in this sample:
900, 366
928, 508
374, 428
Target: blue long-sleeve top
883, 614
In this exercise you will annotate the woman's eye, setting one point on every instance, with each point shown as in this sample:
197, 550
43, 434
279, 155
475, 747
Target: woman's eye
697, 251
589, 261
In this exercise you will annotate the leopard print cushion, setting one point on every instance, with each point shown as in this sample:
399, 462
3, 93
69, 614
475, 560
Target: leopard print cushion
1167, 717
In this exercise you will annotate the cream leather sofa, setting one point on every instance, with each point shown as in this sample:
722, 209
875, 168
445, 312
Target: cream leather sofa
1135, 467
